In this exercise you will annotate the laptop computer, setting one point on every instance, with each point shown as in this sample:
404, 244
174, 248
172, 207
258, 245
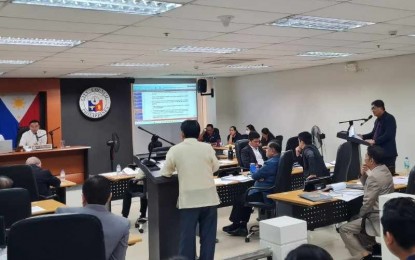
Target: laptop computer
6, 146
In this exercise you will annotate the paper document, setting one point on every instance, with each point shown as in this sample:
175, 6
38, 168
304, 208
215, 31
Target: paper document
219, 181
109, 174
226, 161
400, 180
346, 194
36, 209
240, 178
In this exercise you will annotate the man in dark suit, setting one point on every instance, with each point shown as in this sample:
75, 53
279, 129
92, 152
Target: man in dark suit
44, 178
313, 162
384, 134
253, 152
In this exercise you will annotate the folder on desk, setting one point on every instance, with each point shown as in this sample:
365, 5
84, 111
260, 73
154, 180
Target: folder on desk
355, 186
315, 196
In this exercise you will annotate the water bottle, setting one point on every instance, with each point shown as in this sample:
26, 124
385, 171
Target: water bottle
406, 165
252, 168
118, 169
230, 153
62, 175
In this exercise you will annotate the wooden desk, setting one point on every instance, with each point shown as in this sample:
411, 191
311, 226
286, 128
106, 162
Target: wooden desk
74, 160
225, 163
134, 239
49, 206
119, 184
61, 191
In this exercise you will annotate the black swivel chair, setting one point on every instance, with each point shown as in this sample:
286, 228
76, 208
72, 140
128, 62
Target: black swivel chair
282, 184
62, 236
410, 189
20, 132
343, 161
278, 139
239, 145
22, 177
14, 205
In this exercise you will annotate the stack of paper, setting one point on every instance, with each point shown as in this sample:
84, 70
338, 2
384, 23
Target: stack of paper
219, 181
240, 178
36, 209
403, 180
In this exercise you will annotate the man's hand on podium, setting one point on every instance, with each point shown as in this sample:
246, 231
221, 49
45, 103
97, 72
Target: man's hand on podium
371, 141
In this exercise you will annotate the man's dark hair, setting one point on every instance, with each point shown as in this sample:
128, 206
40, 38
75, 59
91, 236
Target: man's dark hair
305, 137
307, 252
5, 182
253, 135
399, 220
265, 131
34, 121
96, 190
275, 146
190, 129
209, 125
251, 128
376, 153
378, 103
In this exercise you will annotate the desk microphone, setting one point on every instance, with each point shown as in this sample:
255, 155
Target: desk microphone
37, 137
367, 119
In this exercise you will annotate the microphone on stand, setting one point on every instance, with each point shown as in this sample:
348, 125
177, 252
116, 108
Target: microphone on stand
367, 119
37, 137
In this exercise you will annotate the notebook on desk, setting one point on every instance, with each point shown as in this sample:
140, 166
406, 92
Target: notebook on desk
315, 196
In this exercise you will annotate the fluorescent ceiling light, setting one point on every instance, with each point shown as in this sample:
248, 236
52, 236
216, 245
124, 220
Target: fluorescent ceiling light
192, 49
16, 62
1, 73
39, 42
412, 35
93, 74
319, 23
147, 65
141, 7
247, 66
324, 54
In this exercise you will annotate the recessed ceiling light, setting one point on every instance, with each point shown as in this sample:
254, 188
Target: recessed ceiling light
324, 54
247, 66
39, 42
16, 62
1, 73
412, 35
93, 74
142, 7
148, 65
319, 23
193, 49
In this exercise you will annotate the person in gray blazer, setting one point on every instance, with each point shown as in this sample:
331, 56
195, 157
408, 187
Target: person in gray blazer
96, 192
377, 180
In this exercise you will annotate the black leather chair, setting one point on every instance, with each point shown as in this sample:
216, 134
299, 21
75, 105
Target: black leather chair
282, 184
278, 139
62, 236
410, 189
292, 143
14, 205
22, 177
20, 132
239, 145
343, 161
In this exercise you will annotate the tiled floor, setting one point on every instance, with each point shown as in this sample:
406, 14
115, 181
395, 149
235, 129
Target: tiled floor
228, 246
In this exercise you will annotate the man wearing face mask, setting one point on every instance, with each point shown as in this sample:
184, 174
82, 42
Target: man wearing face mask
34, 136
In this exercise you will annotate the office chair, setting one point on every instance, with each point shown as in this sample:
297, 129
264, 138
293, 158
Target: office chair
20, 131
239, 145
22, 177
343, 161
373, 230
282, 184
292, 143
278, 139
14, 205
62, 236
410, 188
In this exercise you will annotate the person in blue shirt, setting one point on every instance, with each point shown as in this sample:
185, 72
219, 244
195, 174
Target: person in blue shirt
398, 223
264, 177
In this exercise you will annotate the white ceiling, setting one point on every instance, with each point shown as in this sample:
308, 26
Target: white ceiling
113, 37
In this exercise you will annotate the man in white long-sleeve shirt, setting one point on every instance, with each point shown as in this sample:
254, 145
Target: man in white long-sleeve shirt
34, 135
195, 163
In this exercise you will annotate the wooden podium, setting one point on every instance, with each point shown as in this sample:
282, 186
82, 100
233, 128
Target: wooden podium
354, 168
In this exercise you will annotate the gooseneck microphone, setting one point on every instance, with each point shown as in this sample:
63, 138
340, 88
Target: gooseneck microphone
367, 119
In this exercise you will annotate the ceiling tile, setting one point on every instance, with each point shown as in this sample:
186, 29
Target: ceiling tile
281, 6
199, 12
322, 42
219, 44
404, 21
236, 37
385, 28
291, 47
143, 40
360, 13
281, 31
377, 45
161, 33
401, 40
351, 36
396, 4
4, 32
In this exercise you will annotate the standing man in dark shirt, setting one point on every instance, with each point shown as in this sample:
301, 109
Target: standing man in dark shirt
314, 165
44, 178
210, 135
384, 134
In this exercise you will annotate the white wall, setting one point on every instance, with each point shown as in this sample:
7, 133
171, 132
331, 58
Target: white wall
289, 102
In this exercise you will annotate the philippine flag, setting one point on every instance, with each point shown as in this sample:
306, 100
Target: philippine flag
17, 110
95, 105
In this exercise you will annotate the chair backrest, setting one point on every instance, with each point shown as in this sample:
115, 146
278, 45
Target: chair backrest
410, 189
285, 166
278, 139
23, 177
20, 132
14, 205
239, 145
63, 237
292, 143
343, 161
